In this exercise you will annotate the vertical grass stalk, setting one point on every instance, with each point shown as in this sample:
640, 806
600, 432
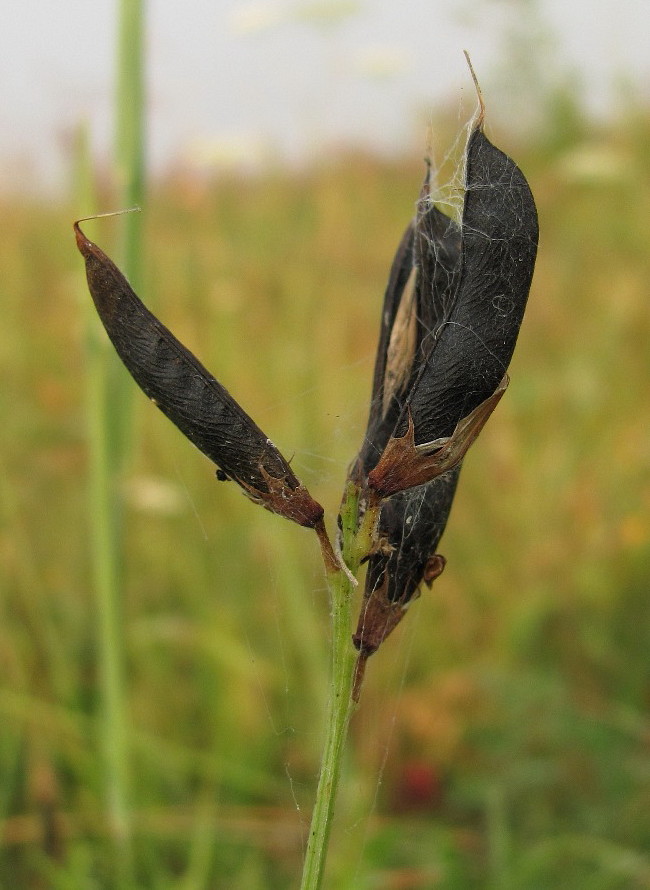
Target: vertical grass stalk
130, 134
104, 535
340, 705
107, 575
109, 432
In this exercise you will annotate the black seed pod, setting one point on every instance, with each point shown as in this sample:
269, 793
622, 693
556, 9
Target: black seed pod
410, 526
465, 373
190, 396
418, 297
410, 523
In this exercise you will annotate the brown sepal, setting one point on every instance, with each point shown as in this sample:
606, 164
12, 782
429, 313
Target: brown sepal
292, 503
380, 616
433, 569
404, 464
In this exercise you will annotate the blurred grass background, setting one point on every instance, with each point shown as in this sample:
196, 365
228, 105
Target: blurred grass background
503, 738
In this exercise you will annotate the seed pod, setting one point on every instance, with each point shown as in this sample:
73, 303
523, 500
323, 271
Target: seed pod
190, 396
465, 373
410, 526
411, 523
418, 297
382, 418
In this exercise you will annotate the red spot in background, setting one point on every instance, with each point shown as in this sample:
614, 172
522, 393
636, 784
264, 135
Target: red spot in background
418, 786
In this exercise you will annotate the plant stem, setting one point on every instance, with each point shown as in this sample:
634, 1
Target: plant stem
130, 134
128, 167
109, 433
341, 586
105, 550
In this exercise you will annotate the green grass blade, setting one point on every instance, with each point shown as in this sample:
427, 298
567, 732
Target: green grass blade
130, 134
105, 548
109, 424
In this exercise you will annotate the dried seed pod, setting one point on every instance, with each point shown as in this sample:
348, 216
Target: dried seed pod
438, 245
418, 297
465, 373
475, 305
410, 526
190, 396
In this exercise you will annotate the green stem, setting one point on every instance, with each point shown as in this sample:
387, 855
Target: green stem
130, 133
107, 584
105, 551
340, 703
109, 433
129, 171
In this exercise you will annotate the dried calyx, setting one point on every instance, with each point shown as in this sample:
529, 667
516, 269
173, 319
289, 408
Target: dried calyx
190, 396
452, 312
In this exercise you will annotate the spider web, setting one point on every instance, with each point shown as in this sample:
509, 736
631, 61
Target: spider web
356, 826
327, 466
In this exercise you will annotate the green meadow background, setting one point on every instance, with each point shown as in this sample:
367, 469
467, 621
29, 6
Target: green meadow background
503, 736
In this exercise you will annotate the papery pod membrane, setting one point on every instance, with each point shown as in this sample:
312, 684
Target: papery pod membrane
465, 373
190, 396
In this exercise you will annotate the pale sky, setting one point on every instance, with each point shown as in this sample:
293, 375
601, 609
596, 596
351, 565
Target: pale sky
288, 79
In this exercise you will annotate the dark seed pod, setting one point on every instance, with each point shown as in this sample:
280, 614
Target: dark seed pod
411, 523
410, 526
190, 396
418, 297
437, 249
382, 418
465, 373
472, 290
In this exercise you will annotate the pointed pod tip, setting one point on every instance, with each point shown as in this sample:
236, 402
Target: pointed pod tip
479, 93
82, 242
